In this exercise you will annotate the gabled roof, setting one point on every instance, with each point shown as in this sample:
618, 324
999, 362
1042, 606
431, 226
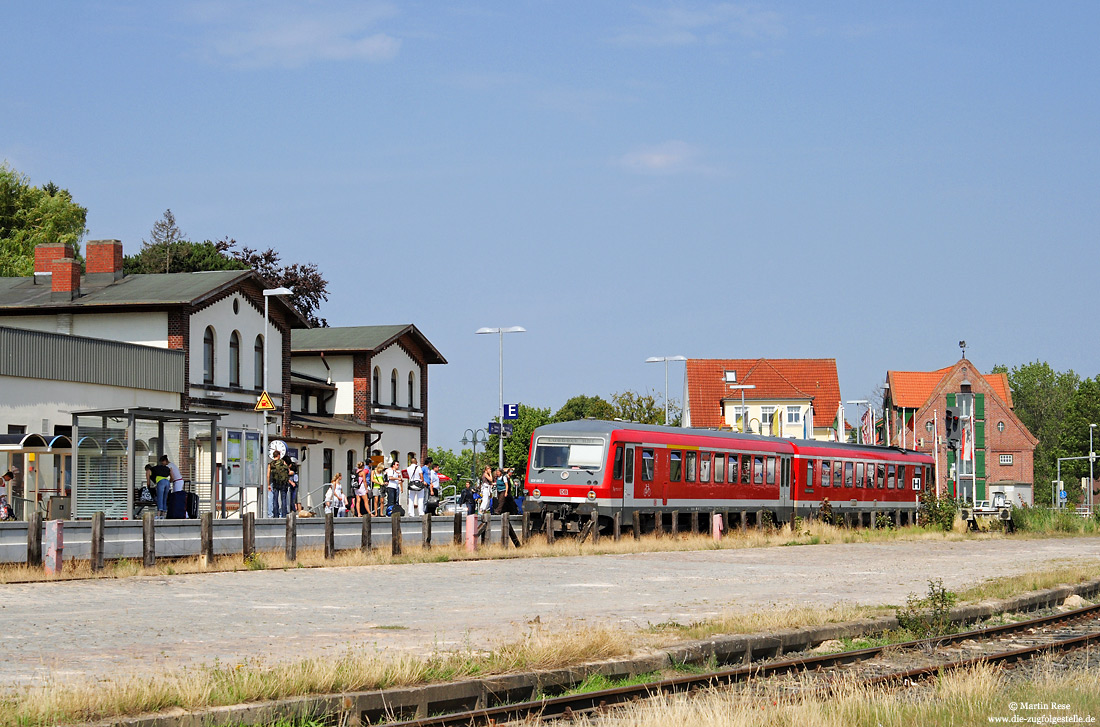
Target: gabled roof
912, 389
775, 378
360, 339
137, 290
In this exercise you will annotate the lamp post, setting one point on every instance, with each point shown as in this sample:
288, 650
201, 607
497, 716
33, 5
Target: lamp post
1092, 458
666, 359
744, 412
470, 437
264, 457
859, 432
500, 411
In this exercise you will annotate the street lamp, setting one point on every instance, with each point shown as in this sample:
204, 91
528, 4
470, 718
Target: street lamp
666, 359
859, 432
265, 458
500, 332
742, 387
470, 437
1092, 458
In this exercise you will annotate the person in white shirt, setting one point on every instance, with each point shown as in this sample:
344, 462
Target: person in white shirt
416, 487
177, 476
393, 488
336, 502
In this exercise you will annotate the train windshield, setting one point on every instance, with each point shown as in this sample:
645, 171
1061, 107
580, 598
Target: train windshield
566, 452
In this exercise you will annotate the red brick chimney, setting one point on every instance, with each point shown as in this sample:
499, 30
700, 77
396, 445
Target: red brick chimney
104, 261
47, 252
66, 279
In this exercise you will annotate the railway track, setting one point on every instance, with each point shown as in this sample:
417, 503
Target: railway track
881, 665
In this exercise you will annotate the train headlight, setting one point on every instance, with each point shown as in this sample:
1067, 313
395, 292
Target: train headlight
535, 493
591, 494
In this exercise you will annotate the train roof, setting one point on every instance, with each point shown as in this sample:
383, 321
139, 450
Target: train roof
601, 426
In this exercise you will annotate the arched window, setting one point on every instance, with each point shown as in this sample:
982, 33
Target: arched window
234, 359
258, 364
412, 399
375, 385
393, 388
208, 356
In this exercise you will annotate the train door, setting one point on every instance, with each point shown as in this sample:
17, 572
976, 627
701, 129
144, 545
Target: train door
784, 482
628, 475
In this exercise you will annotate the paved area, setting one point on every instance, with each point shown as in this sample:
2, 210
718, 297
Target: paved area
100, 628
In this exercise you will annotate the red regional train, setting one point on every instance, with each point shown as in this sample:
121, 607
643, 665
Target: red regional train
577, 468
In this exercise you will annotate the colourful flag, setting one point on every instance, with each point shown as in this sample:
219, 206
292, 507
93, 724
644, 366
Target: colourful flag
865, 425
777, 420
967, 444
839, 431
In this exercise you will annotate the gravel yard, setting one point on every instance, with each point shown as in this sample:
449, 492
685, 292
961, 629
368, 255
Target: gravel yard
141, 625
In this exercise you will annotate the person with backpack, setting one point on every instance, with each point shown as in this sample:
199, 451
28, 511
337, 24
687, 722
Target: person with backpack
416, 486
278, 474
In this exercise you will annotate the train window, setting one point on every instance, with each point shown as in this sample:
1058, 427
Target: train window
647, 465
859, 474
629, 464
704, 466
826, 472
719, 468
880, 477
810, 476
838, 474
758, 470
901, 476
732, 479
689, 466
890, 476
771, 470
617, 468
847, 474
746, 469
675, 467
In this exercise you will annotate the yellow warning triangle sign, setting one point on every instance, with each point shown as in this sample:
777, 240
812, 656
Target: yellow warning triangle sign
265, 403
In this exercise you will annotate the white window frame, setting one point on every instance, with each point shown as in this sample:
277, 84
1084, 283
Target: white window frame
736, 411
796, 411
1006, 459
767, 414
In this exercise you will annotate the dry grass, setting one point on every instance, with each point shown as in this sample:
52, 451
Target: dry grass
1055, 575
968, 697
808, 532
102, 699
773, 620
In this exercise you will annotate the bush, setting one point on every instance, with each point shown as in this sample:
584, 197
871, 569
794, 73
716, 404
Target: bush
929, 616
938, 512
1052, 520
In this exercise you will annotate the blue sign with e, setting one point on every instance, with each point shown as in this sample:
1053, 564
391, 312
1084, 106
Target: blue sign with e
511, 411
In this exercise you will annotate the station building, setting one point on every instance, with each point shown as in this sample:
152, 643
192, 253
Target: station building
796, 398
1004, 449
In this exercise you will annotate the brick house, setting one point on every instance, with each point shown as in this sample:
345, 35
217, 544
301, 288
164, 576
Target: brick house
915, 402
791, 396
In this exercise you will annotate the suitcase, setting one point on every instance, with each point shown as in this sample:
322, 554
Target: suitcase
177, 505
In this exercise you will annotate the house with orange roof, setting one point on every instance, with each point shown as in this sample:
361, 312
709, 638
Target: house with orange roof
797, 398
1004, 450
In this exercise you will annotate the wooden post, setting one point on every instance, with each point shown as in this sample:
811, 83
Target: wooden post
744, 520
206, 539
549, 520
458, 529
675, 523
505, 526
330, 538
584, 532
617, 526
426, 529
874, 517
485, 527
148, 540
395, 533
291, 537
512, 534
248, 535
695, 522
759, 519
525, 525
636, 524
34, 539
594, 519
99, 519
365, 538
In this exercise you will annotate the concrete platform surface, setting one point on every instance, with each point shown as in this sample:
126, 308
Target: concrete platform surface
102, 628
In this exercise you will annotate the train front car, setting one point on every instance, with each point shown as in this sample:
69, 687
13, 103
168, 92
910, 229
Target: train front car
568, 473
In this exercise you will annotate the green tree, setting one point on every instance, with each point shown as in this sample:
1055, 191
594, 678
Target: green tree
584, 407
456, 466
32, 215
517, 448
647, 408
1073, 441
1040, 396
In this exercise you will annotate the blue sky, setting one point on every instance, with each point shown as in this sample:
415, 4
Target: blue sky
860, 180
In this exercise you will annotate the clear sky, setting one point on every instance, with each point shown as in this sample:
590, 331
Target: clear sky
866, 181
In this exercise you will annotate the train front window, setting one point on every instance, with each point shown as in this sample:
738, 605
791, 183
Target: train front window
674, 466
585, 453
